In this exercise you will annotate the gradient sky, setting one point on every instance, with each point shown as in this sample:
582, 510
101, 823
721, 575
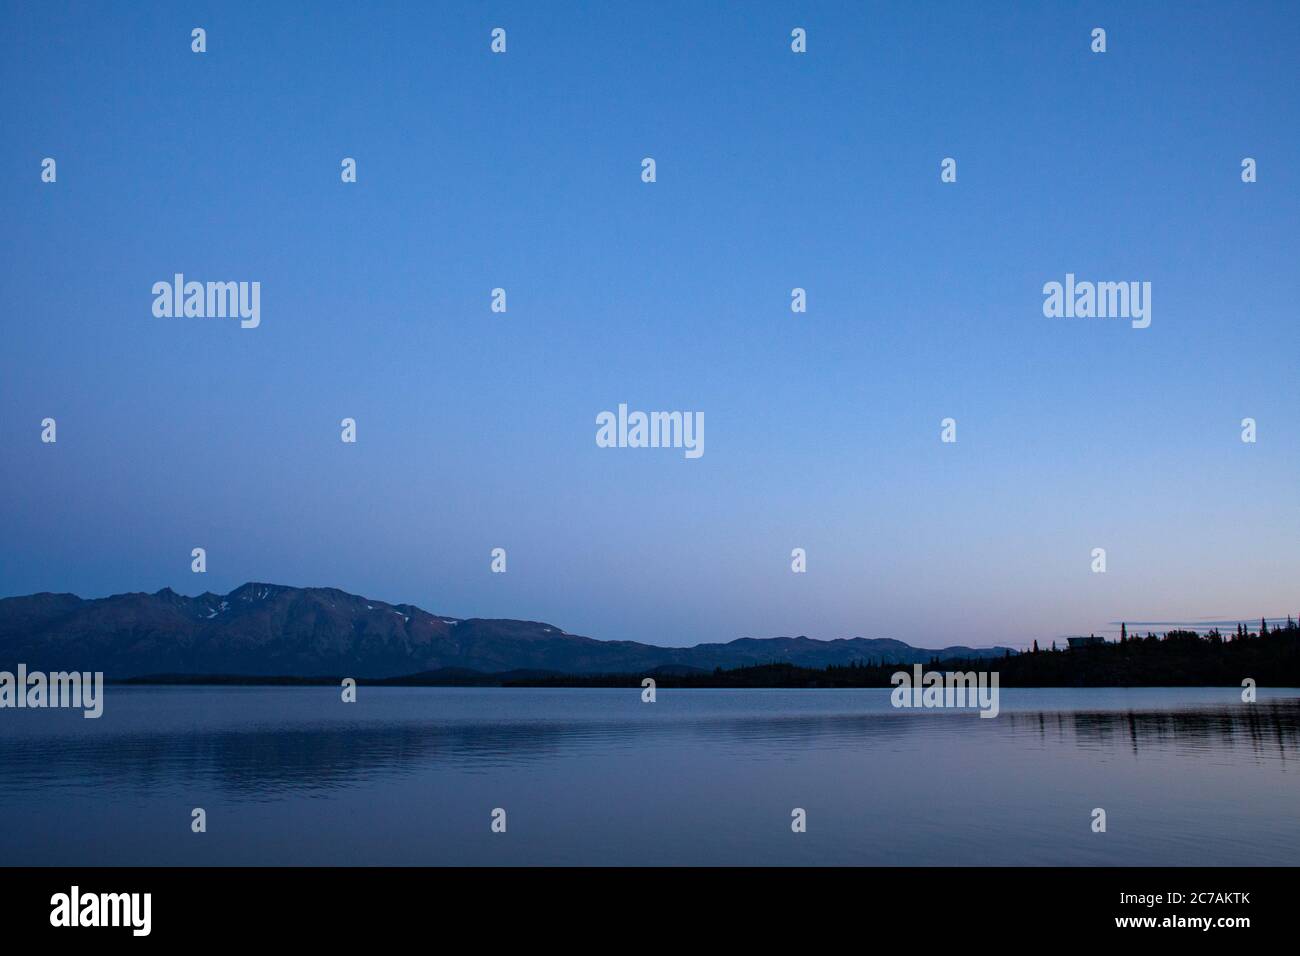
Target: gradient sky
774, 170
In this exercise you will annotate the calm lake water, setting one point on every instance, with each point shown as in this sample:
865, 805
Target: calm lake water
411, 776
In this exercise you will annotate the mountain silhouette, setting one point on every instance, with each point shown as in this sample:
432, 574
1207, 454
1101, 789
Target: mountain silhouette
274, 630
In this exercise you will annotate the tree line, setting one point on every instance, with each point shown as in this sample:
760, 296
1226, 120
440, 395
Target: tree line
1178, 658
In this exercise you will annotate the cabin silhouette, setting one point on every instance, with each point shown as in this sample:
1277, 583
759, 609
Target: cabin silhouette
1088, 641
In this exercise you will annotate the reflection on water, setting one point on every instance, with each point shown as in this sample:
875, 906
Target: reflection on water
274, 761
292, 775
1266, 730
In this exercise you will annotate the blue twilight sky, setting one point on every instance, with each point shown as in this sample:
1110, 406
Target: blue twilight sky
775, 170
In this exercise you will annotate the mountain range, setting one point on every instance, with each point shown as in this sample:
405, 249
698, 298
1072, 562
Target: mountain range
262, 630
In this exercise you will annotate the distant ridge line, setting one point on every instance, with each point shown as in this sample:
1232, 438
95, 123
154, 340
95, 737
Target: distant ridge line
268, 630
